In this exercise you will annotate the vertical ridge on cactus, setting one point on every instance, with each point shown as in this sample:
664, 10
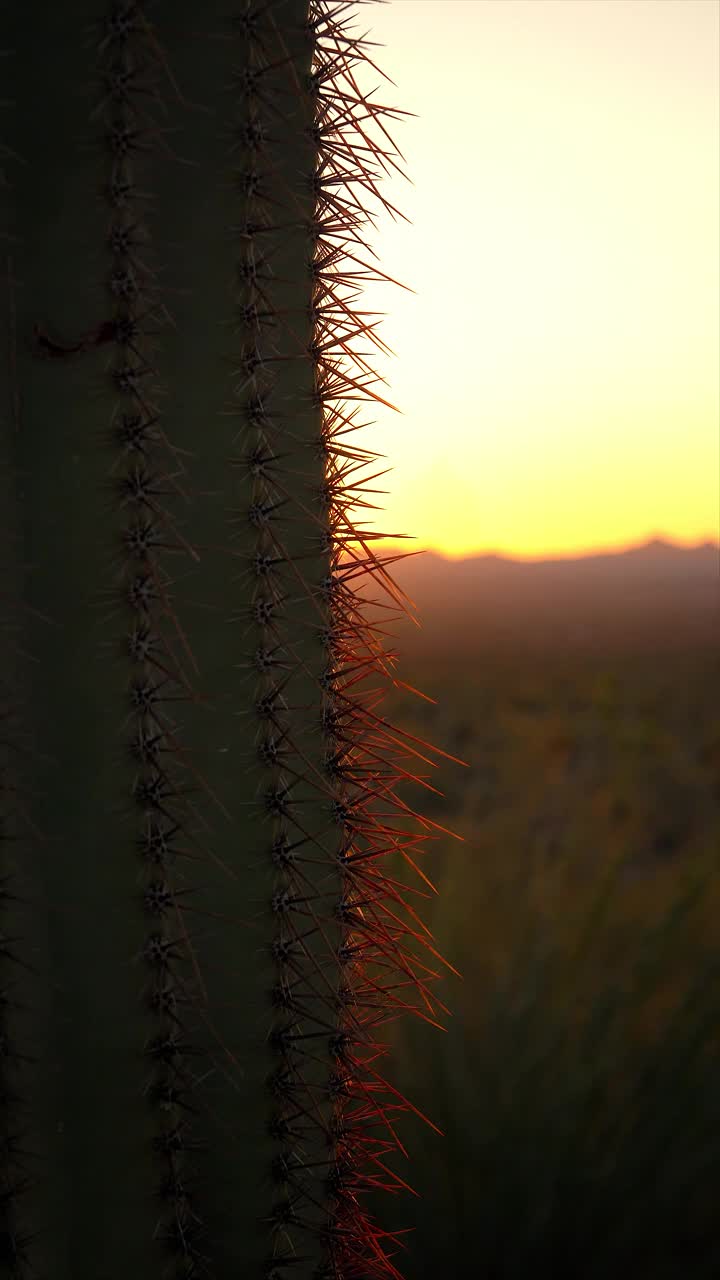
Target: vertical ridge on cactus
200, 935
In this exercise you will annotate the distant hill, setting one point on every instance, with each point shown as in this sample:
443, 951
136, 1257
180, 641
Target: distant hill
654, 597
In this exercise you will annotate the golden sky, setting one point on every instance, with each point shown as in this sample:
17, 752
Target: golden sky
557, 370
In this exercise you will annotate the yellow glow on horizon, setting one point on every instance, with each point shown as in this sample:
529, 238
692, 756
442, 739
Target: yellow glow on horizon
557, 368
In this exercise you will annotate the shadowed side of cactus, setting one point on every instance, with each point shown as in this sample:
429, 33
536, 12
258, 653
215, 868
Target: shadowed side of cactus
198, 937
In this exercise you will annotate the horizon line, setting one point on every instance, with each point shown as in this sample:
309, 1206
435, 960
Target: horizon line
385, 545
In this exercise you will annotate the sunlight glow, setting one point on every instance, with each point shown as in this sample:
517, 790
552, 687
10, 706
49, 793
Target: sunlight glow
557, 368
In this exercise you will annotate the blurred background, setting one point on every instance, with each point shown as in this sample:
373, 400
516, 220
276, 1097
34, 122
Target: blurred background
556, 456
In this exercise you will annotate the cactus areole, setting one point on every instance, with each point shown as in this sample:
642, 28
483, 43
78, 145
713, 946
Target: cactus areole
200, 934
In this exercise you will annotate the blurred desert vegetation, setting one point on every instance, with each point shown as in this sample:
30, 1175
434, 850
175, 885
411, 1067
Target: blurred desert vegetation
578, 1082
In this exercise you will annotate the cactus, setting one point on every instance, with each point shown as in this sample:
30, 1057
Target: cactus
202, 920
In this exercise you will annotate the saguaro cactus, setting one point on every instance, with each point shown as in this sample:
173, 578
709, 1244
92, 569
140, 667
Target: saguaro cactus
201, 931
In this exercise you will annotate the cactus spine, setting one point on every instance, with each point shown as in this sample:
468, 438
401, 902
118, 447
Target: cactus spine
199, 938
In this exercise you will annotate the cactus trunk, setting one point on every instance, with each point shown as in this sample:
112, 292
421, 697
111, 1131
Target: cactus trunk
196, 925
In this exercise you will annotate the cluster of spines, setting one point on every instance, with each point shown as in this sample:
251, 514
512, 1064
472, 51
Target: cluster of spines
360, 769
142, 468
296, 1025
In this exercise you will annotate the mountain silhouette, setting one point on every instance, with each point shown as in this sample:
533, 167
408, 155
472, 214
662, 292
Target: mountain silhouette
655, 597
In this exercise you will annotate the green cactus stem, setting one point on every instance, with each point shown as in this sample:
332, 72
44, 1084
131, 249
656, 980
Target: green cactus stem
199, 931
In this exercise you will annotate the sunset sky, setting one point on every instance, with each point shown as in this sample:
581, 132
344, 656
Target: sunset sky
557, 371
